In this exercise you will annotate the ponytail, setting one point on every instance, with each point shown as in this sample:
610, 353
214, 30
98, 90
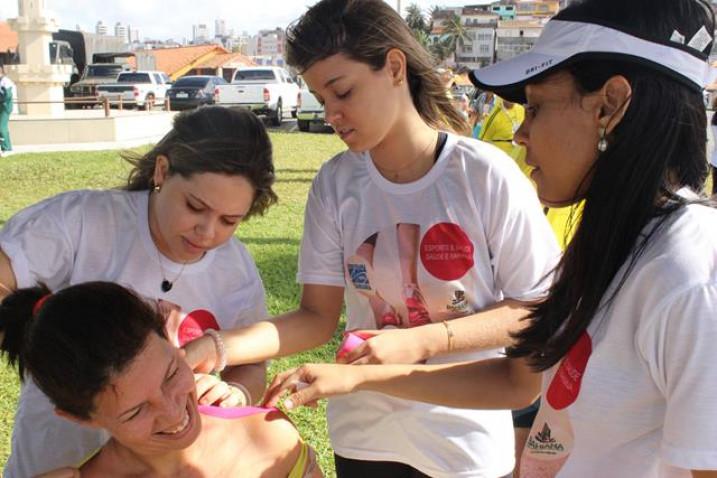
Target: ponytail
16, 317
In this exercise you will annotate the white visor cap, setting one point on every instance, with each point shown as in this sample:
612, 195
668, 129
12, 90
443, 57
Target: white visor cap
568, 41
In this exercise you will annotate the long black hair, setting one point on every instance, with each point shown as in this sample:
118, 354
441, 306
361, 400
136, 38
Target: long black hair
74, 341
657, 148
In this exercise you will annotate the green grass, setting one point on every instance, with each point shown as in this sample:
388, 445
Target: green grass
272, 239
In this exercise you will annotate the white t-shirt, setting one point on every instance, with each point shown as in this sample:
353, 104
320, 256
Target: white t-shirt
637, 395
469, 233
81, 236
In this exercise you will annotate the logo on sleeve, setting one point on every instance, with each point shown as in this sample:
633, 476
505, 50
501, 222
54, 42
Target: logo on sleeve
565, 386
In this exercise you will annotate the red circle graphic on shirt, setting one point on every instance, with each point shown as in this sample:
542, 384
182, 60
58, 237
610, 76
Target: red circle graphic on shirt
194, 325
446, 251
565, 386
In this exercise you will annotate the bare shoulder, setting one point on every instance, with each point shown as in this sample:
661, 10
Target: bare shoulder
275, 441
273, 431
97, 466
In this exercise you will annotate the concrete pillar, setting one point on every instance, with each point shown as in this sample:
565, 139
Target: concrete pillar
35, 77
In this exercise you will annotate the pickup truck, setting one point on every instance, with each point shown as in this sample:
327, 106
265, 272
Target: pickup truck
140, 88
267, 91
309, 111
93, 76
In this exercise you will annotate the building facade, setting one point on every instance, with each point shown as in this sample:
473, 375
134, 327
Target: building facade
478, 49
515, 37
200, 33
101, 28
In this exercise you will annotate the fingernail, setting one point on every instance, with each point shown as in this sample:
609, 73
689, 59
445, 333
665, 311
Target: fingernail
289, 404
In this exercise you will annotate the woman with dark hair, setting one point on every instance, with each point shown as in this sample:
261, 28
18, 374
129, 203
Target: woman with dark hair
436, 241
101, 355
625, 339
713, 158
169, 235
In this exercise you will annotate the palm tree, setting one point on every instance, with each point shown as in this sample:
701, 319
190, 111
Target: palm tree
454, 33
440, 49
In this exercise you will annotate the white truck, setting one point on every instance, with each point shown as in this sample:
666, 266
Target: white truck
309, 112
142, 89
267, 91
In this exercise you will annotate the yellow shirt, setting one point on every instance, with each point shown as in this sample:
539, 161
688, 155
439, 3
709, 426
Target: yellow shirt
500, 126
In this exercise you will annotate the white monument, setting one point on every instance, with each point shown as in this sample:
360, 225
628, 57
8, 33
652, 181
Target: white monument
36, 78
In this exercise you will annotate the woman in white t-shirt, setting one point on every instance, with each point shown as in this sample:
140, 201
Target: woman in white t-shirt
626, 338
169, 235
436, 242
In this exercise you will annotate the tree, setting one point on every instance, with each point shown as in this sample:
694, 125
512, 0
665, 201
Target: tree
440, 48
455, 33
416, 19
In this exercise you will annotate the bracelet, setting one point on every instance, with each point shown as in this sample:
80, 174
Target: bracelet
247, 395
219, 347
449, 335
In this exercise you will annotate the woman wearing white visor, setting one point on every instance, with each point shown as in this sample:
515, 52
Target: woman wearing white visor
626, 339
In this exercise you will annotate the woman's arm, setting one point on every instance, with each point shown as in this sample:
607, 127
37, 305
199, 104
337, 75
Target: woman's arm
7, 276
491, 384
311, 325
488, 329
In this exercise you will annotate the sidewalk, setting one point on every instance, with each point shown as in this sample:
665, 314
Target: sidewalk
97, 146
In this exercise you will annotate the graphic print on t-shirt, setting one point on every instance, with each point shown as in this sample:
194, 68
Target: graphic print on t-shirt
386, 267
551, 437
184, 327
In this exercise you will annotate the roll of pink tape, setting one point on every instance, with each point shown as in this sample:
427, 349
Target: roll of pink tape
351, 341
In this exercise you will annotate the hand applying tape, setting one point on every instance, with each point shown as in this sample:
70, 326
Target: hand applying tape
350, 342
288, 403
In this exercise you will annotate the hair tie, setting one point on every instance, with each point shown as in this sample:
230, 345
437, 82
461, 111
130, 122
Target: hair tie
39, 304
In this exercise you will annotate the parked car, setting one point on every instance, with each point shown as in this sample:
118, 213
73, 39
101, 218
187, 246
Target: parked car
267, 91
309, 111
92, 77
192, 91
139, 88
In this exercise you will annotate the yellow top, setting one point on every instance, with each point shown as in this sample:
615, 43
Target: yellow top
562, 219
303, 467
500, 126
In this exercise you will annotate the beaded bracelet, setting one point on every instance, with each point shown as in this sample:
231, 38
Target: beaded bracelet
221, 351
247, 395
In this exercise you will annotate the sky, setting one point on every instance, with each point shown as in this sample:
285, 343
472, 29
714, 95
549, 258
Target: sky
164, 19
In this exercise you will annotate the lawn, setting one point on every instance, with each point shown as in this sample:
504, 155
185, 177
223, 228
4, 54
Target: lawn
272, 239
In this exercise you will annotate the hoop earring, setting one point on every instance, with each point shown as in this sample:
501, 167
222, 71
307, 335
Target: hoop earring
602, 144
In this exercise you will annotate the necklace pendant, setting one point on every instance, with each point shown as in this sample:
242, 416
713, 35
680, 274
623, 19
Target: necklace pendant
166, 285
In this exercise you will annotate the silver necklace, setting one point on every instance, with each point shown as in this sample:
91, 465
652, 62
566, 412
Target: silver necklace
167, 284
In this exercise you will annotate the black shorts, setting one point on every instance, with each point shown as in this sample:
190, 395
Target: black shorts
525, 417
348, 468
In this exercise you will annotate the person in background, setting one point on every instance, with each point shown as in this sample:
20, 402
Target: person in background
7, 96
500, 126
